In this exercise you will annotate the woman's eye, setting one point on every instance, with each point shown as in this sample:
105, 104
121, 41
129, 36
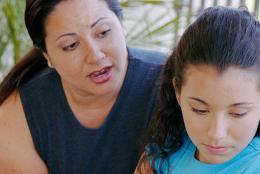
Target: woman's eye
238, 114
103, 34
71, 46
200, 111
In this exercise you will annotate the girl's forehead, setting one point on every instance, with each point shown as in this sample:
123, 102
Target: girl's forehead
210, 70
234, 83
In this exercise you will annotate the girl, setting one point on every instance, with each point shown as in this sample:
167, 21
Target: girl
213, 74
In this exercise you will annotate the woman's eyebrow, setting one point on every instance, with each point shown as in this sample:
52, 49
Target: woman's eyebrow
96, 22
92, 25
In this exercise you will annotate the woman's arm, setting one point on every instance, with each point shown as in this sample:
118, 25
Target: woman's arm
17, 152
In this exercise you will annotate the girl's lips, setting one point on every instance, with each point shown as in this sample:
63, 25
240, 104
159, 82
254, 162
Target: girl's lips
101, 76
217, 150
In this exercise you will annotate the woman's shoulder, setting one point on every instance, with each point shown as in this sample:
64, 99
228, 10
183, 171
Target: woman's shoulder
10, 107
12, 120
13, 124
16, 146
40, 76
147, 56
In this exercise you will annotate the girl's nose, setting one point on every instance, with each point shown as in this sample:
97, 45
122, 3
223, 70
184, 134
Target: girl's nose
218, 128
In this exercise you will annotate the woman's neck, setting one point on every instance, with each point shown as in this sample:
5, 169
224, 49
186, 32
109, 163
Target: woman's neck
89, 109
87, 100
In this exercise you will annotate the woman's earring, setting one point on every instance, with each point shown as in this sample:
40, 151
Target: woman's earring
50, 65
48, 60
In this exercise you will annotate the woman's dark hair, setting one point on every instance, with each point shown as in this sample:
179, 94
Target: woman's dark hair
36, 12
220, 37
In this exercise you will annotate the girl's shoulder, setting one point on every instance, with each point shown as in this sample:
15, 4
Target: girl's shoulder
177, 158
254, 145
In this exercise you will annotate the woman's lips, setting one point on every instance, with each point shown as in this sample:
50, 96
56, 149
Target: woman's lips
217, 150
101, 76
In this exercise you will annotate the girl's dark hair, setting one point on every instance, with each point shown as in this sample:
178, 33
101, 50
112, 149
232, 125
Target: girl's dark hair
220, 37
36, 12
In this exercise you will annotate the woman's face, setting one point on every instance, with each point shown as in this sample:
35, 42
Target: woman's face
86, 45
221, 111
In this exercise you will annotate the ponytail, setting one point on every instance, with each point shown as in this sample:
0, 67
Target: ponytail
168, 121
31, 63
164, 134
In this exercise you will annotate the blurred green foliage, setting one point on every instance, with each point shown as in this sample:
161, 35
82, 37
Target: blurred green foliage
13, 37
151, 23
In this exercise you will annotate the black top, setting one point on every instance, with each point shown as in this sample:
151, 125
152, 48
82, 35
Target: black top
66, 146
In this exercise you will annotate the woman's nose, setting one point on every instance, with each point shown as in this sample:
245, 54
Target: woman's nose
94, 53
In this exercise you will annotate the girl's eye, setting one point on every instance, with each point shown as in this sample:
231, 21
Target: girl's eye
238, 114
200, 111
103, 34
71, 47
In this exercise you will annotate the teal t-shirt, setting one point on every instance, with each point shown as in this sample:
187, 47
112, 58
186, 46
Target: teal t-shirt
184, 162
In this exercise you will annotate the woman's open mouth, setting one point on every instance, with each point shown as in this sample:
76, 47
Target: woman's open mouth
101, 76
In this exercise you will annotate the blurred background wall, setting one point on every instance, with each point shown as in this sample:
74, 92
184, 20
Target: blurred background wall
152, 24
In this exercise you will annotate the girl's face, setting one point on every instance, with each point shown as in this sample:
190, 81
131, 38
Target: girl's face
86, 45
221, 111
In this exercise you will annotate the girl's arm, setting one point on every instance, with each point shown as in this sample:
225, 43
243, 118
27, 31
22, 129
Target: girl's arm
143, 166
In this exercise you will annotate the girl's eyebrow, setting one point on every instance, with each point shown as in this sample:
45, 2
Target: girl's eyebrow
232, 105
199, 100
240, 103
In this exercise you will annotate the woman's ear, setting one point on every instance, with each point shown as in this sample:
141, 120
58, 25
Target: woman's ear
177, 91
48, 59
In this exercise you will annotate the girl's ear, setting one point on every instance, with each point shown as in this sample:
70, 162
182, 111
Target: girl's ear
48, 59
177, 91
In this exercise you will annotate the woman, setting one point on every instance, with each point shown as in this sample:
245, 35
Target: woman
214, 72
80, 99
